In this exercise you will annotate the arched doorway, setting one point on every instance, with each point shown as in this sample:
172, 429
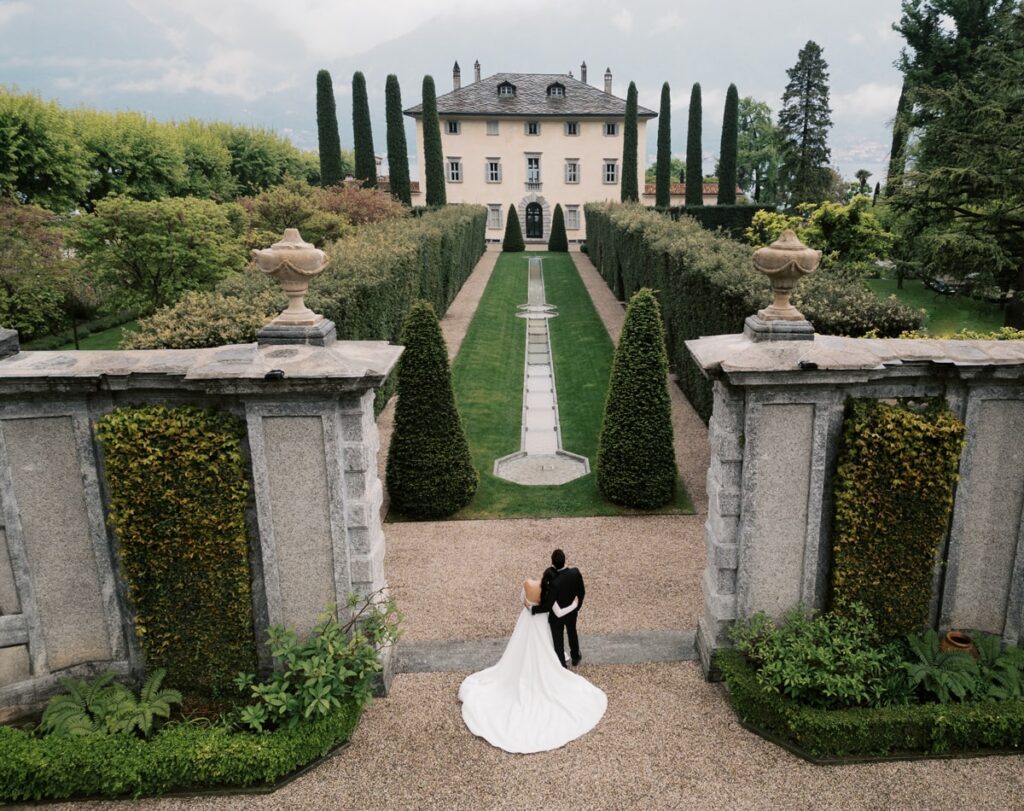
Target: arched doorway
534, 221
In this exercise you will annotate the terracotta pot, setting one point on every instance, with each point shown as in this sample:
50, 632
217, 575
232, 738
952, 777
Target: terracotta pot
958, 641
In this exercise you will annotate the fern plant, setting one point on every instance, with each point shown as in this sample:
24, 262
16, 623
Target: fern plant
1001, 673
946, 675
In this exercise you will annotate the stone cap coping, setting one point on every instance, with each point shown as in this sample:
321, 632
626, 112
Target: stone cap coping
737, 355
342, 366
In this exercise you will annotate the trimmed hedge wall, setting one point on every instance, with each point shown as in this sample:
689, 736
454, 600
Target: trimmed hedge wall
863, 732
893, 498
732, 218
178, 491
179, 757
707, 286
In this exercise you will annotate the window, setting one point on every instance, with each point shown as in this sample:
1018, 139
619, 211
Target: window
454, 170
572, 170
611, 128
611, 171
494, 216
492, 127
533, 169
572, 218
492, 170
506, 89
533, 128
454, 127
556, 89
572, 127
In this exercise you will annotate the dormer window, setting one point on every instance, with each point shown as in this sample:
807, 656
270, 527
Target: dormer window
506, 89
556, 89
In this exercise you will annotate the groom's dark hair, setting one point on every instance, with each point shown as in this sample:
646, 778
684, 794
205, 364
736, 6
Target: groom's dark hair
558, 558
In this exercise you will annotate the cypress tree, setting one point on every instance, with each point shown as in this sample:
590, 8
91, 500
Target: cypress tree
398, 153
636, 463
366, 162
433, 159
558, 241
628, 191
900, 134
430, 472
513, 241
663, 179
727, 155
694, 152
804, 122
327, 130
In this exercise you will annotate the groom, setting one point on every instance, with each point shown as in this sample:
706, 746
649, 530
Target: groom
563, 601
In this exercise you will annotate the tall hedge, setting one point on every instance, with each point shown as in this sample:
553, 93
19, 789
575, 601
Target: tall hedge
893, 498
513, 241
733, 220
433, 156
178, 490
329, 142
636, 463
694, 151
430, 473
729, 146
558, 241
362, 132
398, 151
629, 191
663, 178
706, 285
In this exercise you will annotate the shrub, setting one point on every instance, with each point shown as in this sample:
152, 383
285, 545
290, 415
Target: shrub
178, 491
105, 706
360, 206
206, 319
294, 204
513, 241
558, 241
636, 463
430, 472
893, 493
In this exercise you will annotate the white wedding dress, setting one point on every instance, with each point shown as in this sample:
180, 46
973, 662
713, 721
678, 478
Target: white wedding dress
528, 702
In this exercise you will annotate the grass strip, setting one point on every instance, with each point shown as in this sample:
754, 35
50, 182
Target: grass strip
946, 314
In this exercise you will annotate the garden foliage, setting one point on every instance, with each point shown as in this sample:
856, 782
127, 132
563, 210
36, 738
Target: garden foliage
178, 491
893, 495
558, 242
513, 241
105, 706
199, 320
732, 220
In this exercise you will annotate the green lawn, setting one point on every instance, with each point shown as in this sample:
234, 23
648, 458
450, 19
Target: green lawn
488, 375
946, 314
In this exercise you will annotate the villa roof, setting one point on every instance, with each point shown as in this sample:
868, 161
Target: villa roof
531, 99
710, 187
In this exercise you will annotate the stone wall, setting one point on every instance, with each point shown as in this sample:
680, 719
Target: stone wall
775, 432
313, 446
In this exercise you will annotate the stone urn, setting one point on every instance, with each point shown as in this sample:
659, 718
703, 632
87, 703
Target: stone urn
785, 262
294, 263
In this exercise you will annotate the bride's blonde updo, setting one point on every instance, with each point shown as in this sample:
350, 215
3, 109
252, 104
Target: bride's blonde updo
532, 589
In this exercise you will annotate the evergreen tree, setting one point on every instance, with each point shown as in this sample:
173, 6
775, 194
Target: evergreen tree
558, 241
636, 463
727, 153
874, 199
366, 161
663, 179
628, 191
804, 122
513, 241
430, 472
433, 158
327, 131
694, 152
398, 153
900, 136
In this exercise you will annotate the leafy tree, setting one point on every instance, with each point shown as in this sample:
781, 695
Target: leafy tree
694, 152
430, 472
149, 252
294, 204
804, 122
398, 153
433, 156
862, 176
628, 191
366, 161
636, 463
260, 158
900, 137
677, 172
730, 145
663, 167
328, 140
558, 241
513, 241
757, 151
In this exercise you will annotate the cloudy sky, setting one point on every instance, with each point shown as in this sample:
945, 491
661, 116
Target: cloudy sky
255, 61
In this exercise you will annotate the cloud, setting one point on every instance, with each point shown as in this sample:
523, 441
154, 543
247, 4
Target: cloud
8, 11
623, 20
669, 21
225, 73
870, 99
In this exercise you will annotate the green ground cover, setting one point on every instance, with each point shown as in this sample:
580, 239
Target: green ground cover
106, 339
946, 314
488, 377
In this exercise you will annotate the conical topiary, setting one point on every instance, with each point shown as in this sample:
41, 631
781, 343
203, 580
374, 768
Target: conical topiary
513, 233
558, 241
636, 464
430, 473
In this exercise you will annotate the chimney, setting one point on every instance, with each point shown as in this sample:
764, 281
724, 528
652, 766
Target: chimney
608, 81
456, 77
583, 73
476, 71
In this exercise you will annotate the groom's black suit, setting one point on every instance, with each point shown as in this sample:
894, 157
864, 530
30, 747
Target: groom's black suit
565, 586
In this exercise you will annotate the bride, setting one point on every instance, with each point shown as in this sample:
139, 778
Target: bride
529, 701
